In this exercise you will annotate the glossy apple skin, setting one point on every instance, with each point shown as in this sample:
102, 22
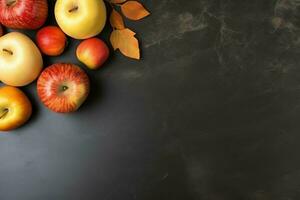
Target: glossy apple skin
63, 87
21, 62
51, 40
15, 108
23, 14
92, 52
80, 19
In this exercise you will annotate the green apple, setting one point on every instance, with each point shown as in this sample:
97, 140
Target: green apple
80, 19
20, 60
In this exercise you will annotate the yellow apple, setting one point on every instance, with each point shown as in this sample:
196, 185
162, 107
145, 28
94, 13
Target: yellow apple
20, 60
15, 108
80, 19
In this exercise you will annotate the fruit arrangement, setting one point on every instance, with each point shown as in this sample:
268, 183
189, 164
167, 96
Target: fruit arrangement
61, 87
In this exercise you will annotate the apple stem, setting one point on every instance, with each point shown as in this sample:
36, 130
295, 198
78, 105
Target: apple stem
4, 113
8, 51
74, 9
64, 88
10, 2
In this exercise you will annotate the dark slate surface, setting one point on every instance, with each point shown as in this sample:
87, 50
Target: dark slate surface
210, 113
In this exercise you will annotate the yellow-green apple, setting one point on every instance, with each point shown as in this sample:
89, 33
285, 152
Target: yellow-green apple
51, 40
92, 52
80, 19
15, 108
63, 87
20, 59
23, 14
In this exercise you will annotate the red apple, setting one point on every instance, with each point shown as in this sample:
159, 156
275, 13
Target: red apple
92, 52
23, 14
63, 87
51, 40
15, 108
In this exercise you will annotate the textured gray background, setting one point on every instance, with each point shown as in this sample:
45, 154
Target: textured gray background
211, 112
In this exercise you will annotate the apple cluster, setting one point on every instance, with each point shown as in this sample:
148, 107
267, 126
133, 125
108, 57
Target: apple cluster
61, 87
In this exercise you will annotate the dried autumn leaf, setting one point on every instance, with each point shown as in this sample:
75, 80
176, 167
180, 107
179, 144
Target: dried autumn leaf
116, 20
125, 41
117, 1
134, 10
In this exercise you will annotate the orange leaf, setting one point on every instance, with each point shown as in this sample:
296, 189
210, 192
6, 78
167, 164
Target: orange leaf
117, 1
116, 20
134, 10
125, 41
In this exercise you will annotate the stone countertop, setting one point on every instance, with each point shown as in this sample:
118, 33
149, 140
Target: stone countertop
211, 112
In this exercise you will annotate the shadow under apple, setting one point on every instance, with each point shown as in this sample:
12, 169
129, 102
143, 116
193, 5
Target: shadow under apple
31, 93
95, 95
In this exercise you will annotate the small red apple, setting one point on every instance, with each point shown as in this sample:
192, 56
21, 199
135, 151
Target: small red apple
51, 40
23, 14
63, 87
92, 52
15, 108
